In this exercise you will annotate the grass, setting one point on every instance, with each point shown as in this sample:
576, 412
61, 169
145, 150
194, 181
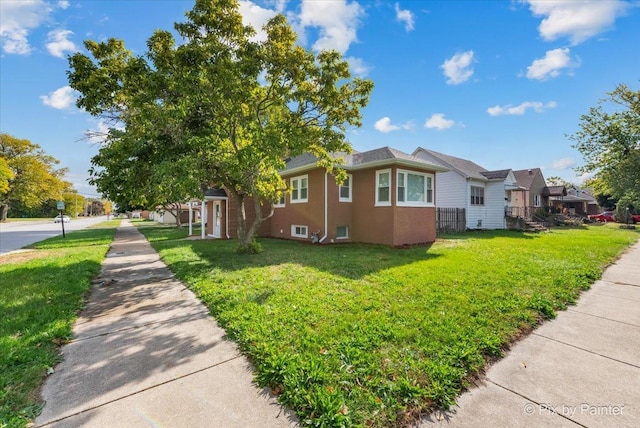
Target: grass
41, 292
370, 335
15, 220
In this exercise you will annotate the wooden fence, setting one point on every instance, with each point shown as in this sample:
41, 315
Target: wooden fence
449, 220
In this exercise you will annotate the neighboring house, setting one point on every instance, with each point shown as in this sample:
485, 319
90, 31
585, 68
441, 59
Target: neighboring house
485, 195
533, 192
574, 202
388, 198
168, 216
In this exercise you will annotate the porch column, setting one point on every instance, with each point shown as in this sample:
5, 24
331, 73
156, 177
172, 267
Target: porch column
190, 223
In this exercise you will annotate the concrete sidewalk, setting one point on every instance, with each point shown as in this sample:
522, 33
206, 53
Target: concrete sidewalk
146, 353
580, 370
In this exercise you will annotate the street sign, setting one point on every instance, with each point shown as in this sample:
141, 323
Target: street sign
60, 205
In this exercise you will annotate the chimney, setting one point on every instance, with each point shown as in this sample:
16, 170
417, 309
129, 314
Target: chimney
530, 172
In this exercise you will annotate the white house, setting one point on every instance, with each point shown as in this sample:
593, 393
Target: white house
484, 194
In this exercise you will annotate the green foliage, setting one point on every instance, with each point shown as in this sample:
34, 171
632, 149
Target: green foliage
254, 247
219, 109
610, 144
41, 294
27, 174
346, 341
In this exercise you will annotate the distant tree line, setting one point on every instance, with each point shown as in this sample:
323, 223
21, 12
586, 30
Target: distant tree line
31, 184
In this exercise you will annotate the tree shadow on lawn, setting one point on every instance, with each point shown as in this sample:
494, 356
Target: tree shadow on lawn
352, 261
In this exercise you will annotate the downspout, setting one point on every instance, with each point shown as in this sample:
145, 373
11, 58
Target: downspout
226, 211
202, 228
326, 210
190, 215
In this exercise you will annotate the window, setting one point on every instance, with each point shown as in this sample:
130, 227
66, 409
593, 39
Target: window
281, 201
299, 189
345, 189
536, 201
477, 195
342, 232
299, 231
414, 188
383, 187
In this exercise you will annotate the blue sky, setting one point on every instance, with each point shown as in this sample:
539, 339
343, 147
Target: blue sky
498, 82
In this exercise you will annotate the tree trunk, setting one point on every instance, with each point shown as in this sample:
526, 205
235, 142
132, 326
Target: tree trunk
4, 210
177, 206
246, 234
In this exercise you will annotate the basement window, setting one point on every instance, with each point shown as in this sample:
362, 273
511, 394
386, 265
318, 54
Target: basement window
298, 231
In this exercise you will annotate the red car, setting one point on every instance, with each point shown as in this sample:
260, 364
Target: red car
604, 217
635, 218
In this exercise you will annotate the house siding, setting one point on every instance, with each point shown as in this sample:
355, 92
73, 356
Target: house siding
451, 190
476, 214
494, 205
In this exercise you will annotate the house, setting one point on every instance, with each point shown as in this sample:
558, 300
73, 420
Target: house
485, 195
575, 201
388, 198
169, 216
532, 193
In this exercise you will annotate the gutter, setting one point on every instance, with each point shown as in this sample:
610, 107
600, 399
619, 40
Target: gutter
326, 210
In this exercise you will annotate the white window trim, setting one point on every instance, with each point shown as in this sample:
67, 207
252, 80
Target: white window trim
283, 204
349, 199
383, 203
342, 237
426, 175
299, 180
293, 231
471, 193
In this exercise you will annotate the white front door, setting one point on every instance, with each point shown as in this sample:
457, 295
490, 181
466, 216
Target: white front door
216, 219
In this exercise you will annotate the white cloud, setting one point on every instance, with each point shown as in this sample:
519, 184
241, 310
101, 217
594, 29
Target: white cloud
438, 122
256, 16
357, 66
521, 109
577, 20
405, 16
63, 4
336, 20
550, 66
61, 98
583, 178
384, 125
458, 69
17, 18
563, 163
58, 42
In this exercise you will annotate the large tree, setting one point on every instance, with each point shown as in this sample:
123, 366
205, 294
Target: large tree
609, 140
223, 108
28, 175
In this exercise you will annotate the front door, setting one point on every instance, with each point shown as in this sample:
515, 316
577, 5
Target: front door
216, 219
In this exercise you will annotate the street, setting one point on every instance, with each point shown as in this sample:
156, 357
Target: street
16, 235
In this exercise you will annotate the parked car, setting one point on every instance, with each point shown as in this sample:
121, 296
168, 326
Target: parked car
635, 218
59, 219
604, 216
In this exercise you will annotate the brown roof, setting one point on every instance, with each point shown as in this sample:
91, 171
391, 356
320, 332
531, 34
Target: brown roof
524, 177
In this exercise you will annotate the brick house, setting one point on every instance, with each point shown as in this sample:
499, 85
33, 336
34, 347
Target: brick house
388, 198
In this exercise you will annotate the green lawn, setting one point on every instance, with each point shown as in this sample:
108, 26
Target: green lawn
371, 335
41, 292
15, 220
